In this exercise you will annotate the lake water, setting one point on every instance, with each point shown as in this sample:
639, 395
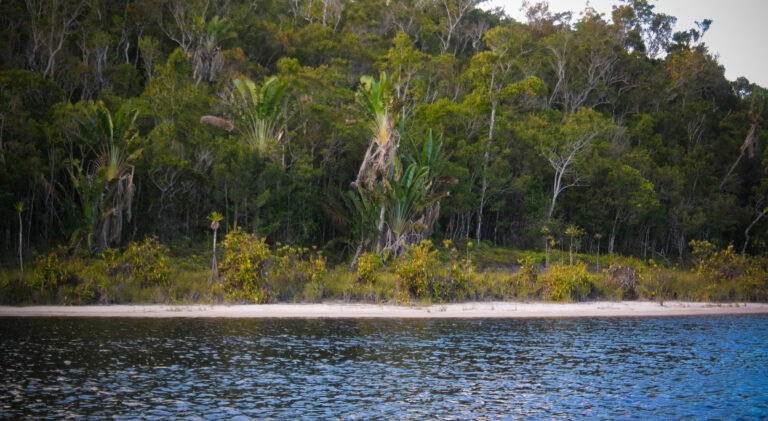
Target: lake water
651, 368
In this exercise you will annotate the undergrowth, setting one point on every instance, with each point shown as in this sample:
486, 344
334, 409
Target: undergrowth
252, 271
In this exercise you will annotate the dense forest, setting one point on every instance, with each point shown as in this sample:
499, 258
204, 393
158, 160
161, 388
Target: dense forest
370, 125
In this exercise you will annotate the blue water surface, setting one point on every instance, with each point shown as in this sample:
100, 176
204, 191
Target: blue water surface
611, 368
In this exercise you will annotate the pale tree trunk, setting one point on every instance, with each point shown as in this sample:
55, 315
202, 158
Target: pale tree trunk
359, 251
453, 18
746, 232
598, 255
214, 263
612, 241
556, 189
21, 238
382, 219
748, 146
484, 186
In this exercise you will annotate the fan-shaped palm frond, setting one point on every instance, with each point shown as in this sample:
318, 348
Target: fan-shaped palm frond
105, 185
258, 113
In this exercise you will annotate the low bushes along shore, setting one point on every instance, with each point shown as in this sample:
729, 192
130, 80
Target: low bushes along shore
250, 271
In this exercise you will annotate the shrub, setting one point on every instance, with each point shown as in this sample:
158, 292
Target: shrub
80, 294
368, 266
731, 276
655, 282
493, 284
53, 271
147, 262
458, 285
311, 272
527, 275
417, 269
243, 267
566, 282
624, 275
296, 272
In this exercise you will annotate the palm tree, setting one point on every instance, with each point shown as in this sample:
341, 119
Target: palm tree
364, 209
208, 58
105, 184
376, 99
19, 209
598, 236
215, 219
258, 113
573, 232
405, 199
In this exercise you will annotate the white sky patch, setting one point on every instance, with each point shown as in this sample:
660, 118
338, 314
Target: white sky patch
738, 34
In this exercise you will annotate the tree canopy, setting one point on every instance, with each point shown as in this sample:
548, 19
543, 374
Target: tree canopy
367, 125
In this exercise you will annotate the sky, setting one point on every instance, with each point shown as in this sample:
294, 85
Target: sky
737, 34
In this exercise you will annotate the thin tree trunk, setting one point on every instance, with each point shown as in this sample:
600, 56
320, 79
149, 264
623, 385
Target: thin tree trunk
214, 264
226, 207
357, 255
555, 192
21, 238
380, 241
612, 241
598, 255
486, 158
746, 232
29, 217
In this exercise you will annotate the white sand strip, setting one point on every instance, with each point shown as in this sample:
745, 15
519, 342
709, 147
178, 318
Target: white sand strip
347, 310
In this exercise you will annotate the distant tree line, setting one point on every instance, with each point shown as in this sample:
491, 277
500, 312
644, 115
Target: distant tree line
369, 125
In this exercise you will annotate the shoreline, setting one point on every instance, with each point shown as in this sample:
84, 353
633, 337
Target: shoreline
470, 310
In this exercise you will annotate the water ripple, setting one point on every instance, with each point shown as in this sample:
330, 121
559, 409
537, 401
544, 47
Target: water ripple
693, 367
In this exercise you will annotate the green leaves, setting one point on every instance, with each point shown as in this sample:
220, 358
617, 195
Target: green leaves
99, 127
375, 98
215, 217
258, 113
364, 209
105, 186
429, 156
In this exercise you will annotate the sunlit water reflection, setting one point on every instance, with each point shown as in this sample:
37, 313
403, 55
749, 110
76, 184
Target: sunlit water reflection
698, 367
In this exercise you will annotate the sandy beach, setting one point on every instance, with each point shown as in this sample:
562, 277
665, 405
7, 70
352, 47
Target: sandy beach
347, 310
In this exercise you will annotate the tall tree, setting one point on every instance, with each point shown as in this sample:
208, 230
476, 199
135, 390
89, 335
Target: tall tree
565, 146
51, 23
19, 209
105, 184
493, 73
375, 98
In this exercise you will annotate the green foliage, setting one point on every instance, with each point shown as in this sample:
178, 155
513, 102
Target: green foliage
250, 271
458, 285
375, 98
62, 279
703, 251
105, 183
528, 274
728, 275
417, 270
624, 275
368, 267
297, 272
215, 217
566, 282
53, 271
606, 124
243, 267
258, 113
147, 262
